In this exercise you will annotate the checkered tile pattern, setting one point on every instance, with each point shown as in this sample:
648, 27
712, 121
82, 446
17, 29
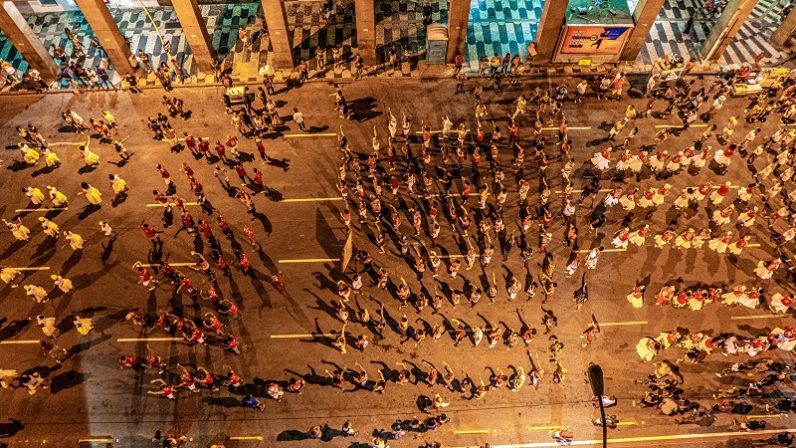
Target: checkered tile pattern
223, 22
10, 54
667, 36
397, 21
501, 26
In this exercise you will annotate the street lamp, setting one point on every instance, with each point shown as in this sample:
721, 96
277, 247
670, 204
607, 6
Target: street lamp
595, 373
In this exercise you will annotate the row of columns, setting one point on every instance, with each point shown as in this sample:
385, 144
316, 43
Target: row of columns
96, 12
102, 23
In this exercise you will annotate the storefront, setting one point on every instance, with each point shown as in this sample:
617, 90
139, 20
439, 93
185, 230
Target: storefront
594, 31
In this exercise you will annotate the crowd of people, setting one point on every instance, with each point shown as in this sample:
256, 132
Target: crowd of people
442, 205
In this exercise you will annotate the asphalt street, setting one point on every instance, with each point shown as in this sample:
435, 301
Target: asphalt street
301, 232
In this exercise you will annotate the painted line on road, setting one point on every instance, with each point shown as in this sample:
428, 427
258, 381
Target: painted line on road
456, 195
40, 268
623, 324
67, 143
603, 190
51, 209
96, 440
585, 251
753, 245
307, 260
301, 335
556, 427
20, 342
336, 198
695, 436
753, 416
716, 187
570, 128
253, 438
148, 339
325, 134
760, 316
472, 431
182, 263
171, 204
545, 428
678, 126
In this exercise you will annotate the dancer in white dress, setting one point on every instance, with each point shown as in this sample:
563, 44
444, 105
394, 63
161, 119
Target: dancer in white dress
636, 297
602, 159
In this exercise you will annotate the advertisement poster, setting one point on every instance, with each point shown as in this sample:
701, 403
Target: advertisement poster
581, 39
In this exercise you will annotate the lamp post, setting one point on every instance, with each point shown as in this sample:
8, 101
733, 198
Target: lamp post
595, 374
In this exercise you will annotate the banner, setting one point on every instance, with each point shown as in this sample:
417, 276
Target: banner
348, 251
590, 39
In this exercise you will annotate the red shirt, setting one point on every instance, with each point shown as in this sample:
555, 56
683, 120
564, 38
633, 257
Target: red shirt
144, 275
149, 232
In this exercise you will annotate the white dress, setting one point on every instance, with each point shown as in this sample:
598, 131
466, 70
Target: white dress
600, 161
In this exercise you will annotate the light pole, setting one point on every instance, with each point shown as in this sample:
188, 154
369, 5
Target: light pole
595, 373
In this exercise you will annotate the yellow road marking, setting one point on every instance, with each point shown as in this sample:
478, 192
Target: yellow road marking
171, 204
20, 342
40, 268
301, 335
182, 263
307, 260
458, 195
692, 436
678, 126
40, 209
752, 416
627, 423
603, 190
472, 431
759, 316
716, 187
585, 251
66, 143
148, 339
326, 134
336, 198
258, 438
570, 128
623, 324
545, 428
753, 245
97, 440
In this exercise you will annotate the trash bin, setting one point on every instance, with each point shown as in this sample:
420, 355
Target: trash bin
436, 43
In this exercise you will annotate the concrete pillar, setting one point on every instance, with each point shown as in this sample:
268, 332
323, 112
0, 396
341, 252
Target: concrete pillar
366, 30
727, 26
458, 21
104, 26
281, 55
25, 41
785, 30
193, 26
644, 15
550, 24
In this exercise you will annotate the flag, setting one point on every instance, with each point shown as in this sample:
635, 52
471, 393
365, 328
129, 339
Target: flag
348, 250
